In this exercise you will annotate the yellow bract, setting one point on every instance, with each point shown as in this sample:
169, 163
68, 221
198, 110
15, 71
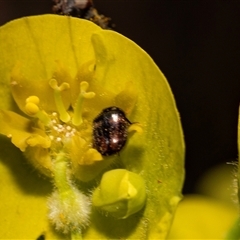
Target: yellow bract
120, 74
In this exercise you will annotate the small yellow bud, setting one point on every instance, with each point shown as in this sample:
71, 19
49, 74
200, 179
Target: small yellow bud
121, 193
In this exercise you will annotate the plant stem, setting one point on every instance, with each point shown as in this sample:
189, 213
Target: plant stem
61, 179
66, 189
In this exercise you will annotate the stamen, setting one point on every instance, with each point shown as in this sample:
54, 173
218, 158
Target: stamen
77, 117
33, 110
64, 116
43, 117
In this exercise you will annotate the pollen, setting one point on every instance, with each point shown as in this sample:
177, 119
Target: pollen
59, 131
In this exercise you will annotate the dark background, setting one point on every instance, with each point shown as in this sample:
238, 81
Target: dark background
196, 44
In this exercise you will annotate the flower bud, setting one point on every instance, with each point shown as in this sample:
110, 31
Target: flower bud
121, 193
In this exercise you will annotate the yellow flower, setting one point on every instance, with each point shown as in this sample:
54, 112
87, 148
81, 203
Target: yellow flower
57, 138
60, 114
62, 72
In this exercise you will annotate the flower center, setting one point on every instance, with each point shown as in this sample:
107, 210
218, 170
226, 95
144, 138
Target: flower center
59, 131
65, 125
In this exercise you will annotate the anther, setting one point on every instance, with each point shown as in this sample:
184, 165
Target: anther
33, 110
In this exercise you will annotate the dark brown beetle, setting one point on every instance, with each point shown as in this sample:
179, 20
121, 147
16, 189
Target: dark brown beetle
110, 130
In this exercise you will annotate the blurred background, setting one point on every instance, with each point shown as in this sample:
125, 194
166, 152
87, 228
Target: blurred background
196, 44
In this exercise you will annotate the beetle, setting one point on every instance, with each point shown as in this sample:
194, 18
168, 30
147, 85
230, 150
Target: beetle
110, 130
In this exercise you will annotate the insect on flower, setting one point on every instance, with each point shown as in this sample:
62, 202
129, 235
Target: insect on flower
110, 130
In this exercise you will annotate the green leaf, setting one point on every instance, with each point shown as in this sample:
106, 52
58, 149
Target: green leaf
157, 154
